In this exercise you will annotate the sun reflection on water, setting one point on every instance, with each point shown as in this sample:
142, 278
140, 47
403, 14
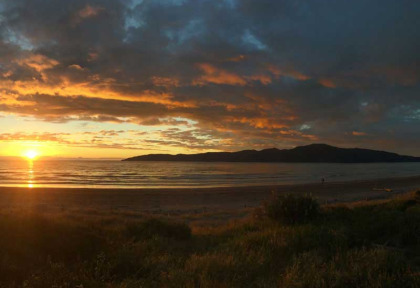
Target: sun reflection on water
30, 173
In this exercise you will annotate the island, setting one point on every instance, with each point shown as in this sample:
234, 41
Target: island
313, 153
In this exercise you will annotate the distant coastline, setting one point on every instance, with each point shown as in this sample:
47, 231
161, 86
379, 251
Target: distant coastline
314, 153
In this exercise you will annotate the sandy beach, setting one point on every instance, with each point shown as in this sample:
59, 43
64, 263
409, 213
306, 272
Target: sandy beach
226, 200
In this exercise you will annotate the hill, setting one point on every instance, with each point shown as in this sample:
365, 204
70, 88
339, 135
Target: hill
317, 153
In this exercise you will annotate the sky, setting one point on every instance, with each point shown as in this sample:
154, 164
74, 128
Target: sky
119, 78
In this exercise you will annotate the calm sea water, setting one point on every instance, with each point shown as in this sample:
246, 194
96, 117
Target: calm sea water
117, 174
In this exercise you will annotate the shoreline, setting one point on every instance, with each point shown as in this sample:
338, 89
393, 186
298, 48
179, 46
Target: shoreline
209, 188
192, 200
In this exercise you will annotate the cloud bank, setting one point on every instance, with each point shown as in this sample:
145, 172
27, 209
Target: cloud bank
221, 75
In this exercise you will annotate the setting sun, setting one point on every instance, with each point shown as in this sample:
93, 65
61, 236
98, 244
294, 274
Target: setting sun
31, 154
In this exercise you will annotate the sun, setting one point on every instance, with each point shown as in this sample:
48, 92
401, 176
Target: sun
31, 154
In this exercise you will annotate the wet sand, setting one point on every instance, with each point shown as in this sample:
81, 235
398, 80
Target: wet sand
193, 200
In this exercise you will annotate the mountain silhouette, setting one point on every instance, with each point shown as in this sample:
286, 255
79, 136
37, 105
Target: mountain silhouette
316, 153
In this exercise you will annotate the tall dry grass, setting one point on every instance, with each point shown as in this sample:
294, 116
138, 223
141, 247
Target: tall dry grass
362, 245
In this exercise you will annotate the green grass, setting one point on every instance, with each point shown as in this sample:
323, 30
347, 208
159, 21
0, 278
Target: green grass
371, 244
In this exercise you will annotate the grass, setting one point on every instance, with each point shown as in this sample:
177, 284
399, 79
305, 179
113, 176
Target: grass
370, 244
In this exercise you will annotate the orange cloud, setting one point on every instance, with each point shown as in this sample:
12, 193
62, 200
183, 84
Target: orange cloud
238, 58
165, 81
38, 62
215, 75
327, 83
7, 74
76, 67
261, 123
93, 56
264, 79
95, 87
21, 137
87, 12
277, 72
220, 76
356, 133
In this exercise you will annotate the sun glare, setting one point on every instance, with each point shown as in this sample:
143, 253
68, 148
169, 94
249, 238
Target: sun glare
31, 154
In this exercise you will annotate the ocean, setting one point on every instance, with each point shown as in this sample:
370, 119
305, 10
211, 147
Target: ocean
118, 174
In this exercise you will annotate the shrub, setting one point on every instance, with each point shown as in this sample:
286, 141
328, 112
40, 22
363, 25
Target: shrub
292, 209
351, 268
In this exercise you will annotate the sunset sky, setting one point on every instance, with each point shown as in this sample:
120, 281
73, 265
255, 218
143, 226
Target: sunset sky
118, 78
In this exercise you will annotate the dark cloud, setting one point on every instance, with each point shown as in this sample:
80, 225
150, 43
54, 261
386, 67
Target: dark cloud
245, 73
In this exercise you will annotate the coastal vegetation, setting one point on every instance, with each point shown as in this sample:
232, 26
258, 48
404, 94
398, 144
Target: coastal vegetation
290, 241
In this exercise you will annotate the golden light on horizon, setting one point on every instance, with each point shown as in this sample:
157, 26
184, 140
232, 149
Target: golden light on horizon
31, 154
